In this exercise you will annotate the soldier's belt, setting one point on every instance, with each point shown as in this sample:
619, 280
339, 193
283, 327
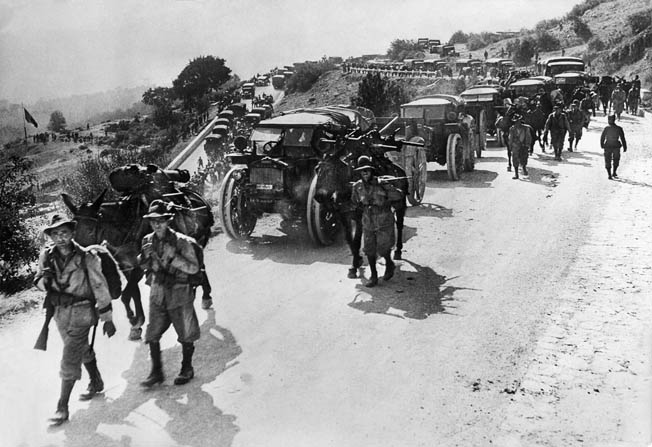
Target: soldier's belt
65, 299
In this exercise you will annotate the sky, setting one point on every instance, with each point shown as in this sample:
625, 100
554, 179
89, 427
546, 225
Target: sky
57, 48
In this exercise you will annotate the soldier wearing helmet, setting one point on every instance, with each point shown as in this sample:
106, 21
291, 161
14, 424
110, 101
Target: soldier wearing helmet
375, 198
576, 121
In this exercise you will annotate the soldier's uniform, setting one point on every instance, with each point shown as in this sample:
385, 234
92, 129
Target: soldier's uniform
520, 140
611, 140
377, 218
77, 289
557, 124
618, 99
167, 265
576, 121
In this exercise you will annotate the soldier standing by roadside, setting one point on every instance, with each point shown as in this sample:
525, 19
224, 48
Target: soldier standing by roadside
168, 257
78, 291
520, 140
557, 124
618, 98
611, 140
377, 218
576, 121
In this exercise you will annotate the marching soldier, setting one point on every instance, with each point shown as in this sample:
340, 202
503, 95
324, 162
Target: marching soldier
557, 124
576, 122
78, 291
520, 140
377, 218
618, 98
611, 140
168, 257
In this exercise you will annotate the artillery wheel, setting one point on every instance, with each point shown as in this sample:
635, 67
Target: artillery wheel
454, 156
419, 175
470, 148
323, 225
236, 215
482, 134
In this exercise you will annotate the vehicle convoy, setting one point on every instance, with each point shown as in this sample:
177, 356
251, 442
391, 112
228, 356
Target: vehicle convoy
483, 103
273, 170
448, 130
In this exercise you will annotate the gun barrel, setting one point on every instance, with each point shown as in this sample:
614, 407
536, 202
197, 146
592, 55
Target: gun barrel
177, 175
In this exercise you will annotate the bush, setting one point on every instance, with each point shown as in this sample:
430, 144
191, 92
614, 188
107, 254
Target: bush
17, 242
545, 25
475, 42
595, 44
401, 49
523, 52
380, 94
579, 9
581, 29
546, 41
458, 37
640, 21
306, 75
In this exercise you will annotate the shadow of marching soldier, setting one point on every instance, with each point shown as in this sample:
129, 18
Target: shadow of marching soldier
167, 414
416, 295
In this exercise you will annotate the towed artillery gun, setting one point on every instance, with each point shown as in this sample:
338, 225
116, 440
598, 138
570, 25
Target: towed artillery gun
448, 131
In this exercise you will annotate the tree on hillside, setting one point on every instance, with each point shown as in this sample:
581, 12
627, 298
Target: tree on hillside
381, 95
523, 52
17, 243
581, 29
199, 77
458, 37
401, 49
546, 41
161, 98
57, 122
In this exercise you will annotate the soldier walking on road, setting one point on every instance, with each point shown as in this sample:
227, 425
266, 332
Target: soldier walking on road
168, 257
375, 200
576, 122
520, 140
618, 98
557, 124
78, 292
611, 140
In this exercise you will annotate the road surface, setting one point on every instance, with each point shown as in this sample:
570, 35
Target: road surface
519, 317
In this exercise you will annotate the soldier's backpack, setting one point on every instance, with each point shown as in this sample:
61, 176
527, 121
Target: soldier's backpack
196, 279
114, 277
110, 269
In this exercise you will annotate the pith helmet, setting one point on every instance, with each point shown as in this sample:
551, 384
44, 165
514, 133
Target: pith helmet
57, 221
364, 162
158, 208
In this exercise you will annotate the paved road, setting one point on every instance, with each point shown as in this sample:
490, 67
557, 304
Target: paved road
520, 316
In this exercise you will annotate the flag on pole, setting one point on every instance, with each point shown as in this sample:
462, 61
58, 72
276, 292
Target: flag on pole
29, 118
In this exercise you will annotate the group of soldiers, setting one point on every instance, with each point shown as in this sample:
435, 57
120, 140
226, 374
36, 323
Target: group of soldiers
76, 287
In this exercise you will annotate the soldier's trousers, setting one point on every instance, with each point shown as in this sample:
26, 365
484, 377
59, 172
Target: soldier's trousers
611, 154
520, 157
74, 323
557, 142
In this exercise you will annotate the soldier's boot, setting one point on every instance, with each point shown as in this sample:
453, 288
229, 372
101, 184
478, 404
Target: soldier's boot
570, 145
156, 374
96, 384
615, 175
389, 268
357, 262
373, 279
609, 173
525, 170
62, 414
515, 172
187, 372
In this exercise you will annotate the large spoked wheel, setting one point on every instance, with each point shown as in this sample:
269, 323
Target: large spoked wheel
482, 134
470, 148
454, 156
237, 217
323, 225
419, 174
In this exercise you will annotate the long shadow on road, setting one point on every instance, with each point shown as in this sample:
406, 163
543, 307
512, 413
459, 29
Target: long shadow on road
297, 248
476, 179
185, 414
415, 295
